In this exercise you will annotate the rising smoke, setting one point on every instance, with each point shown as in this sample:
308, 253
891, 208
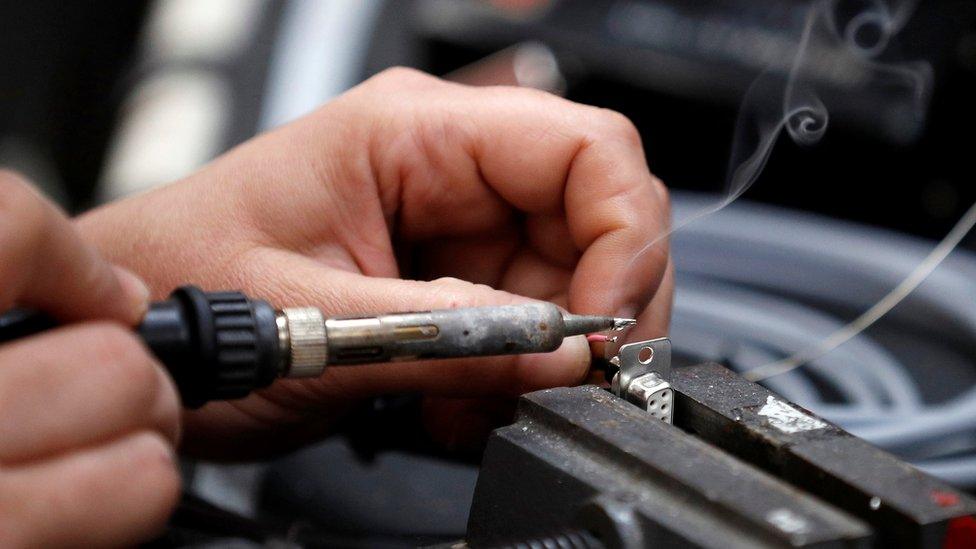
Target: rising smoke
839, 54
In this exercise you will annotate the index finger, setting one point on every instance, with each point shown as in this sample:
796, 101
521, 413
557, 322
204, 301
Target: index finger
590, 163
44, 264
542, 155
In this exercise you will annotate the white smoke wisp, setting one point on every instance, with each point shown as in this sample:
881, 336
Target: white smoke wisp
842, 42
878, 310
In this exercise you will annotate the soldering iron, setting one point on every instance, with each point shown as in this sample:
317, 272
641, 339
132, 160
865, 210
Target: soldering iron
223, 345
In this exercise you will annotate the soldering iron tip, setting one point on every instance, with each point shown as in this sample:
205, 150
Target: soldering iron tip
622, 323
582, 324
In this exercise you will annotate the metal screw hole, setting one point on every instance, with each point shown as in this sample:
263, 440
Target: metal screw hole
645, 355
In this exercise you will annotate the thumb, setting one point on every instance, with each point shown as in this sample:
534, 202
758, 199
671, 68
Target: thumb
307, 283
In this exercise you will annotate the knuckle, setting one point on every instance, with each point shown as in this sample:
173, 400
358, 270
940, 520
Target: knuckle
11, 181
25, 226
97, 279
152, 455
21, 208
534, 96
402, 76
116, 344
120, 350
619, 126
662, 194
455, 293
152, 451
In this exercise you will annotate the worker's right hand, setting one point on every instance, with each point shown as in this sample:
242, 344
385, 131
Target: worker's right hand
88, 419
410, 193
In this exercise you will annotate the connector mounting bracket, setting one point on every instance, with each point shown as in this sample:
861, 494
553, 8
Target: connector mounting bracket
644, 376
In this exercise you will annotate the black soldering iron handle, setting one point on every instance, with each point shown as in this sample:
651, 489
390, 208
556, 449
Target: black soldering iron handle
18, 323
215, 345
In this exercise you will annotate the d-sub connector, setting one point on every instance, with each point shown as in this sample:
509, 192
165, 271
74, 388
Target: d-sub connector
653, 394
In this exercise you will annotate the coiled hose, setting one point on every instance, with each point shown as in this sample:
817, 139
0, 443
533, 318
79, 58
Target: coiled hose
757, 283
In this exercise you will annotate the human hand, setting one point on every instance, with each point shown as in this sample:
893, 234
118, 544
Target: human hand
87, 418
408, 176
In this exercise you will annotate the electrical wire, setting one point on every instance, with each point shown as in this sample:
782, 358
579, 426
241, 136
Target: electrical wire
879, 309
755, 283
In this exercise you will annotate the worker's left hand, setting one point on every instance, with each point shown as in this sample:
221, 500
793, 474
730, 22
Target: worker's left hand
408, 176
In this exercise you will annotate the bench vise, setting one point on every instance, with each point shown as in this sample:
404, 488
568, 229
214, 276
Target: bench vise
732, 465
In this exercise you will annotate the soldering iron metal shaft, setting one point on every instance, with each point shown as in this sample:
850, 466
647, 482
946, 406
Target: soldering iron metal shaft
316, 342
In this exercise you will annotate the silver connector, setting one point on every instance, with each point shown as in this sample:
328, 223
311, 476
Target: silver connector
644, 377
301, 330
653, 394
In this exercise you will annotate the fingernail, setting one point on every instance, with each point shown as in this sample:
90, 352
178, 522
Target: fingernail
170, 455
565, 366
136, 293
580, 356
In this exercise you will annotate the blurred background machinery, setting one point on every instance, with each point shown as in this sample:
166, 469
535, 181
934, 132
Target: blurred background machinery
98, 101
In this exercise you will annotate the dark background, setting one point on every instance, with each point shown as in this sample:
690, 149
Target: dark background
65, 67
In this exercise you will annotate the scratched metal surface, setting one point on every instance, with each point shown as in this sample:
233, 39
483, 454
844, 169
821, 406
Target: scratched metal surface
572, 448
906, 507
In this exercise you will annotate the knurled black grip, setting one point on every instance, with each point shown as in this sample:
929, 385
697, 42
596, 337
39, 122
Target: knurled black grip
216, 345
